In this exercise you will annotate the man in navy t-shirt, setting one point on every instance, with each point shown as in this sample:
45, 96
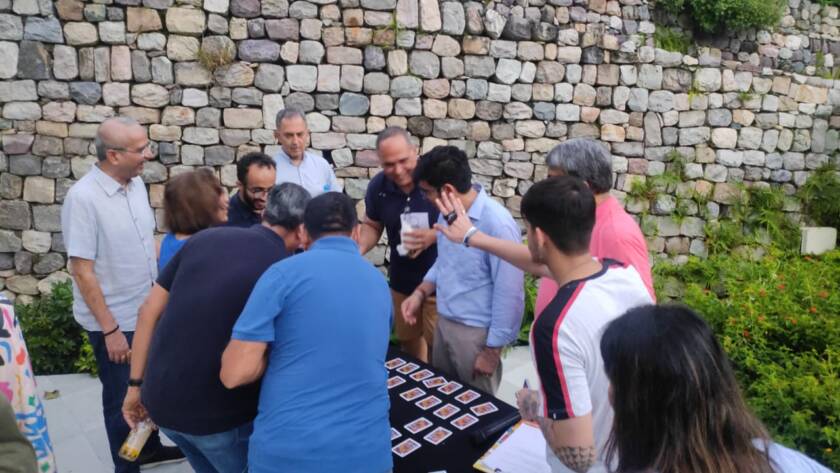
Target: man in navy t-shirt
186, 322
255, 174
326, 316
391, 197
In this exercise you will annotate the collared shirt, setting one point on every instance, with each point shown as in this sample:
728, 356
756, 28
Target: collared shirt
475, 288
384, 203
314, 173
240, 214
113, 225
209, 282
324, 400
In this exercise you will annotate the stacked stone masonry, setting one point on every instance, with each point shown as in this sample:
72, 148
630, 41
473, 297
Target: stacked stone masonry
505, 81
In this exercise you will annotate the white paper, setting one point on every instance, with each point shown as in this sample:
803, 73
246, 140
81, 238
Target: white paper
522, 452
412, 221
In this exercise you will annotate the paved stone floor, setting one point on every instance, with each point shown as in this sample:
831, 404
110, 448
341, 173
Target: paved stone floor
78, 432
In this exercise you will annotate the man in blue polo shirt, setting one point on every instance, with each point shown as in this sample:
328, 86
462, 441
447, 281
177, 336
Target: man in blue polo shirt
390, 195
294, 163
185, 324
324, 401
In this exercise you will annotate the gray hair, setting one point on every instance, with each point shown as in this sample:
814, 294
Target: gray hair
287, 113
586, 159
285, 205
101, 143
391, 132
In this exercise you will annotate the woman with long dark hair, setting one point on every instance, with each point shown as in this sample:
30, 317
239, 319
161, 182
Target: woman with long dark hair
678, 407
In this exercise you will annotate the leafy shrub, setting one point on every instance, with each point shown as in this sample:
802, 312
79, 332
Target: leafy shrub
718, 15
55, 341
777, 319
671, 40
531, 285
821, 197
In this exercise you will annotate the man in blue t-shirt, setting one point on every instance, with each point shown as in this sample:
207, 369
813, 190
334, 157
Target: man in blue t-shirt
324, 401
185, 323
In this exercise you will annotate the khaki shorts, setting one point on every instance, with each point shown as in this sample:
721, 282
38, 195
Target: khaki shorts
425, 326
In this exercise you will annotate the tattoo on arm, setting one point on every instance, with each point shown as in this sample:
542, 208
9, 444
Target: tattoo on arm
578, 459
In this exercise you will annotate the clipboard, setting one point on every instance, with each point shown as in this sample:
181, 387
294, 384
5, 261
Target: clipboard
520, 450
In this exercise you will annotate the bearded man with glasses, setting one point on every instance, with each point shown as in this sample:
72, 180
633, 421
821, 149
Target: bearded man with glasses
255, 173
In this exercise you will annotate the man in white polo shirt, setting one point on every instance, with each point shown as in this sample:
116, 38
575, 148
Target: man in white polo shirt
108, 229
294, 163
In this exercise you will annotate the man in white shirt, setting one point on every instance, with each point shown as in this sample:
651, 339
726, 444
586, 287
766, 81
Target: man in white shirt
576, 416
294, 163
108, 229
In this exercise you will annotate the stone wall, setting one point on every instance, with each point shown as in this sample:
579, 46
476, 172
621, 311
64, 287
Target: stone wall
504, 80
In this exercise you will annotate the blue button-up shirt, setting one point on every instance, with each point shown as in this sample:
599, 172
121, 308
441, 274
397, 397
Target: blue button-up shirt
113, 225
314, 173
478, 289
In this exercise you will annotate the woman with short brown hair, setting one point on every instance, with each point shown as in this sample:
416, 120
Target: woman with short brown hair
192, 201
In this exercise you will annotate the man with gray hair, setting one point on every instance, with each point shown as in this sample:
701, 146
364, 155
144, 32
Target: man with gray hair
186, 322
294, 163
108, 229
615, 235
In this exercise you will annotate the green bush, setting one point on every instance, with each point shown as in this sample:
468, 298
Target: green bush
778, 320
531, 285
56, 343
820, 197
717, 15
671, 40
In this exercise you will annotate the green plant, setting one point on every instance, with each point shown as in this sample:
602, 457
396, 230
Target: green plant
745, 97
820, 197
531, 285
777, 320
55, 341
670, 39
714, 16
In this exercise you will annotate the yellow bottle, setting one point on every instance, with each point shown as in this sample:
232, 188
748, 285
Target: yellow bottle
135, 441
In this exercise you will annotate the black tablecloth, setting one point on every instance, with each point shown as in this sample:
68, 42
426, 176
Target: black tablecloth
457, 453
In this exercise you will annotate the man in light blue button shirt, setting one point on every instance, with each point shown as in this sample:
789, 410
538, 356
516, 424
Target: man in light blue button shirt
108, 230
294, 163
480, 298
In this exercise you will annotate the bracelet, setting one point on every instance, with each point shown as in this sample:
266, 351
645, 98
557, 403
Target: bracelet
472, 231
112, 331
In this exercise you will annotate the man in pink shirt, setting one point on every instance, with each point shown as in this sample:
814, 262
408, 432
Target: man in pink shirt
615, 235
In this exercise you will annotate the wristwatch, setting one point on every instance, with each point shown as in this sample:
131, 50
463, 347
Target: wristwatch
135, 383
472, 231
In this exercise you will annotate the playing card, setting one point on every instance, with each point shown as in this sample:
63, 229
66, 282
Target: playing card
405, 369
412, 394
483, 409
395, 381
437, 436
464, 421
450, 387
405, 447
395, 363
428, 403
446, 411
421, 375
467, 397
419, 425
434, 382
395, 433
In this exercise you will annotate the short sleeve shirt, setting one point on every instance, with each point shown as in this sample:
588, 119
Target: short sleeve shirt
209, 281
112, 225
384, 203
324, 401
313, 173
565, 345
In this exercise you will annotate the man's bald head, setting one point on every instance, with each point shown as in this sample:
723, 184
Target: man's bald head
113, 133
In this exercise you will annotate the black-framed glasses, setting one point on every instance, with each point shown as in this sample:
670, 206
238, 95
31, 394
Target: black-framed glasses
258, 191
140, 150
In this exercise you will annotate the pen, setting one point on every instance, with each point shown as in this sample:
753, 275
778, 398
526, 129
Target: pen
525, 384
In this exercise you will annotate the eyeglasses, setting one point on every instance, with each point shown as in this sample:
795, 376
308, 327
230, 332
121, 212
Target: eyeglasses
143, 149
258, 191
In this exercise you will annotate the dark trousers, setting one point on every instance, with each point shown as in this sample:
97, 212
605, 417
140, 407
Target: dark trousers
114, 378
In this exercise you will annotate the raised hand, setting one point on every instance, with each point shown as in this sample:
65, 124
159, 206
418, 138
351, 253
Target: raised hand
449, 204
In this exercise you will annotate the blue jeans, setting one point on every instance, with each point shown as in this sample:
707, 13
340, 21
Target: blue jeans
114, 379
224, 452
